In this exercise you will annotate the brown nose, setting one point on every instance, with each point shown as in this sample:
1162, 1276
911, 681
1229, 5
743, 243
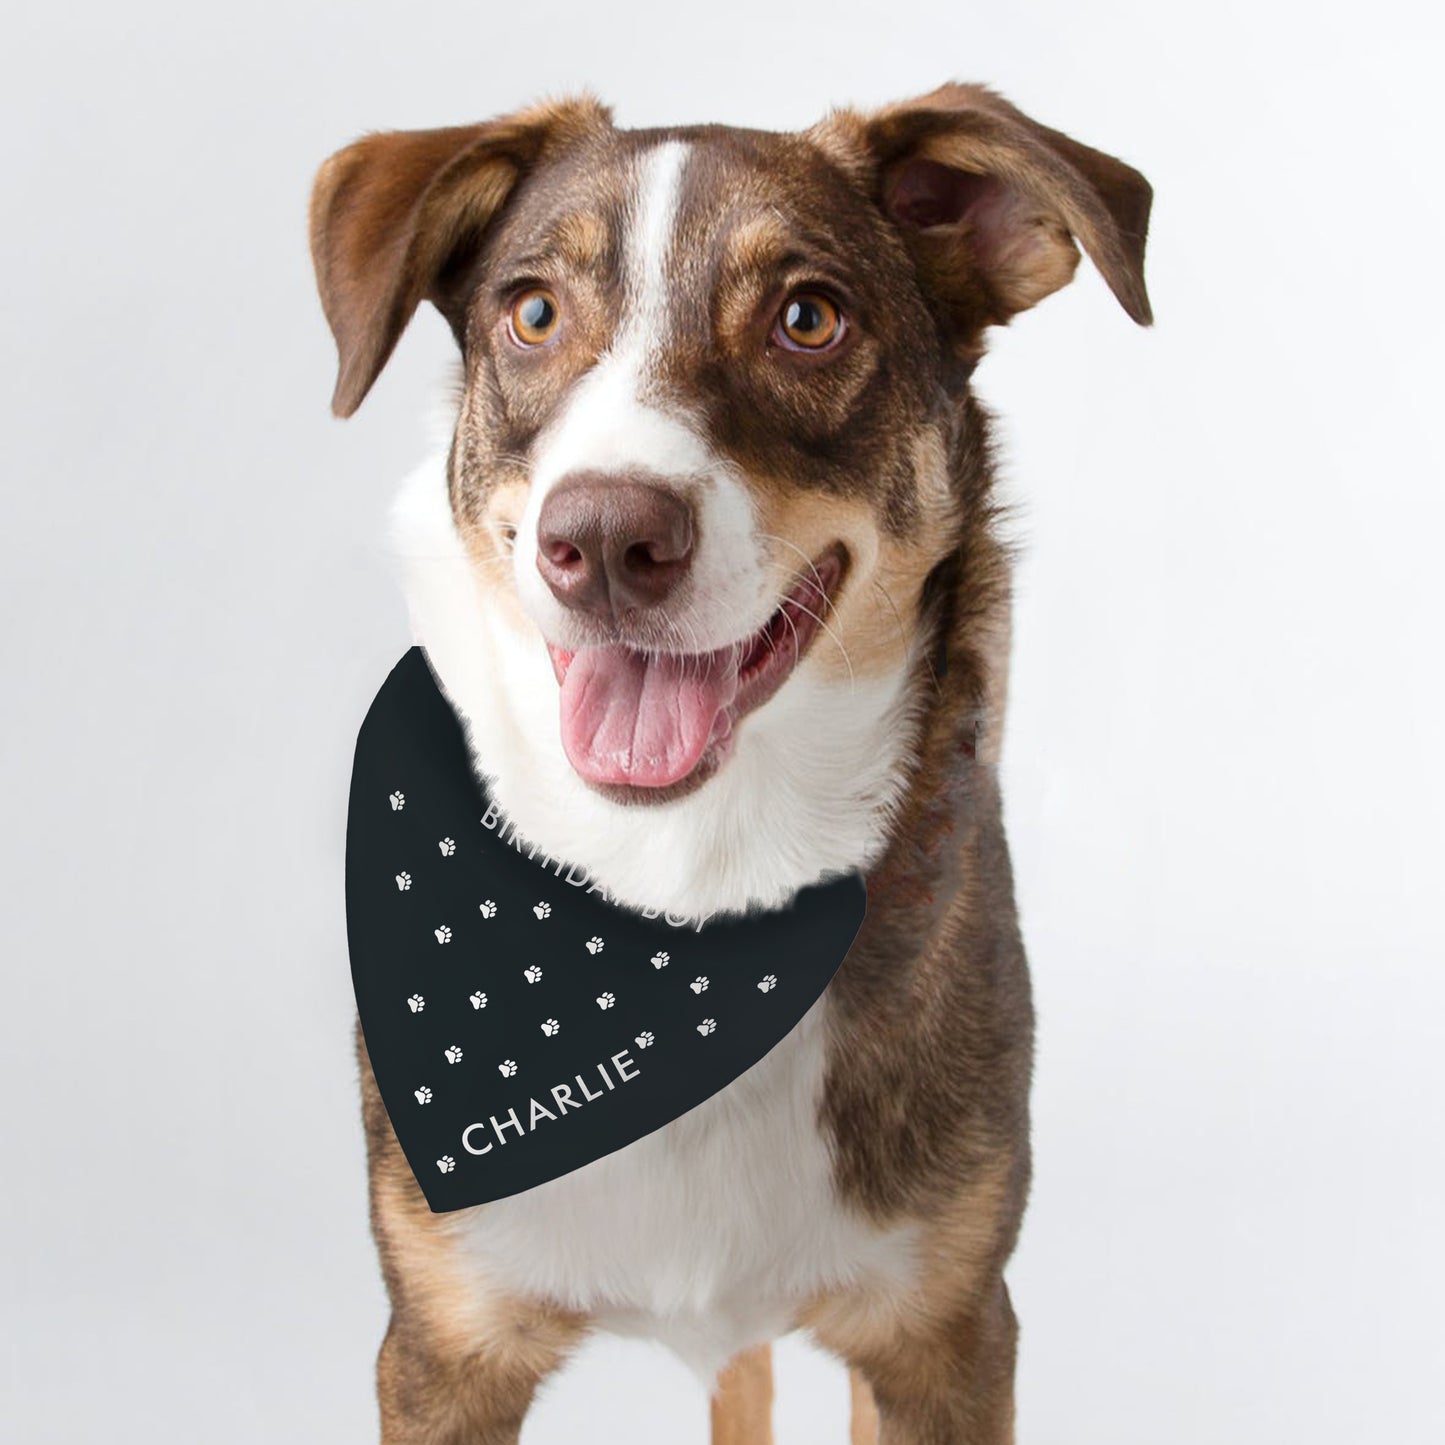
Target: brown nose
609, 544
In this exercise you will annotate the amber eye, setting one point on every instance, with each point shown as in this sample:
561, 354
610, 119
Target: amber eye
534, 318
808, 322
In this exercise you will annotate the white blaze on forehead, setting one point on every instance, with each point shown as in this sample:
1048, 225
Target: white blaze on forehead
649, 247
614, 422
605, 424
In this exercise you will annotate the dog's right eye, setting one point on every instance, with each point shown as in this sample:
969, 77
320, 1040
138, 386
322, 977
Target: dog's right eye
535, 317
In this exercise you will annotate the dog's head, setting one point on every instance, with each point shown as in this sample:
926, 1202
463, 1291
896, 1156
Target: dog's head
714, 435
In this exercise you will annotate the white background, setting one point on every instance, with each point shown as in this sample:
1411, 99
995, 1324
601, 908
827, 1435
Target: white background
1224, 778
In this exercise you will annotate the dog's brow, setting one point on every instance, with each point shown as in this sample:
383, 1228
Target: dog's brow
768, 243
579, 240
789, 262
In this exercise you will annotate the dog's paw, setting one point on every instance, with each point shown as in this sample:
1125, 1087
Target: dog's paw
443, 934
397, 801
423, 1095
448, 846
507, 1068
532, 973
488, 909
478, 999
706, 1027
699, 984
644, 1040
606, 1000
660, 959
594, 945
403, 881
416, 1003
452, 1055
550, 1027
768, 982
542, 910
446, 1163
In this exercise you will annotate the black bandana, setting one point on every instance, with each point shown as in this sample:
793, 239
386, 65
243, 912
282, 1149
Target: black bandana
520, 1024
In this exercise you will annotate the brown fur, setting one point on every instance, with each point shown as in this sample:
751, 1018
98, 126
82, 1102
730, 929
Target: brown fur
931, 221
742, 1404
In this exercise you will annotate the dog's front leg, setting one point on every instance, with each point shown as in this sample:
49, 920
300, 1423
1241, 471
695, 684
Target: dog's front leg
948, 1381
461, 1359
435, 1396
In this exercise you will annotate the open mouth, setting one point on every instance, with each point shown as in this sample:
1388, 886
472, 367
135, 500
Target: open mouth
634, 719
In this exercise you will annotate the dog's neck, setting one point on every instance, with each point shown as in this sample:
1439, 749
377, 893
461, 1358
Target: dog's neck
814, 788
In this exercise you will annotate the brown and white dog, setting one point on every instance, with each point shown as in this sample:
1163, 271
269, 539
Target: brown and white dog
711, 569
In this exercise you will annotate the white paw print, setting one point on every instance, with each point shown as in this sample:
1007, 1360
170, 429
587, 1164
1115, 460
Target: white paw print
644, 1040
478, 999
446, 1163
423, 1095
594, 945
660, 960
507, 1068
606, 1000
452, 1055
706, 1027
403, 881
489, 909
699, 984
443, 934
416, 1003
768, 982
550, 1027
448, 846
532, 974
542, 910
397, 801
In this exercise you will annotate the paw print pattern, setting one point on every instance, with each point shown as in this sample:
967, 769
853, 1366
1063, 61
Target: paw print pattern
443, 934
488, 909
542, 910
644, 1040
446, 1163
423, 1095
448, 846
594, 945
707, 1026
532, 974
403, 882
478, 999
416, 1003
550, 1027
397, 801
660, 959
767, 983
507, 1068
452, 1055
699, 984
606, 1000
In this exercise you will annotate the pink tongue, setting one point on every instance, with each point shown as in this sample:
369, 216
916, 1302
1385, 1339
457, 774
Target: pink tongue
632, 718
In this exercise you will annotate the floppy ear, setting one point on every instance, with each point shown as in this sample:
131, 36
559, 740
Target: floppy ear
991, 203
397, 217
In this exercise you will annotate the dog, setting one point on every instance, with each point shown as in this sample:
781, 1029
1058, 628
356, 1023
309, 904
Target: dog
712, 570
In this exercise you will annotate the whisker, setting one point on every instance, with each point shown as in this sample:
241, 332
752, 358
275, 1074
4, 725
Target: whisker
811, 565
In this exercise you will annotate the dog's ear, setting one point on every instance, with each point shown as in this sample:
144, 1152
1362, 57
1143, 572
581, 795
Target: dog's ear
397, 217
990, 203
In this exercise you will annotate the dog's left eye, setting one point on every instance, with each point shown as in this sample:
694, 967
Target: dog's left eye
808, 322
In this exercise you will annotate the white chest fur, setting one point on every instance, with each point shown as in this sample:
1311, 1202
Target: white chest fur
706, 1235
